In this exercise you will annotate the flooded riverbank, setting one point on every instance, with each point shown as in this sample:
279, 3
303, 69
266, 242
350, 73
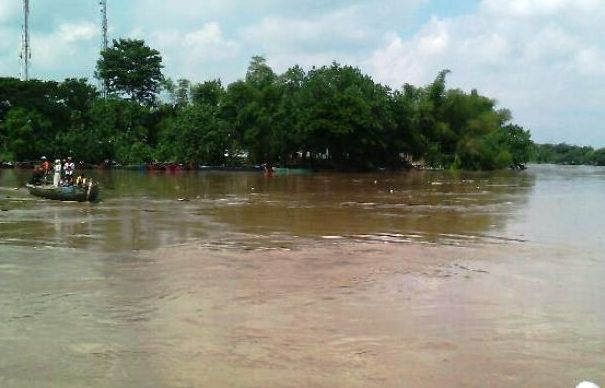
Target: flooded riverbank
423, 279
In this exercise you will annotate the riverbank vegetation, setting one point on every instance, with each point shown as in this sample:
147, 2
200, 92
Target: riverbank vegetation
568, 154
328, 117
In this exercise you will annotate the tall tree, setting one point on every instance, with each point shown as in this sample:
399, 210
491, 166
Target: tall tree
347, 114
288, 116
132, 69
519, 144
251, 106
209, 92
182, 92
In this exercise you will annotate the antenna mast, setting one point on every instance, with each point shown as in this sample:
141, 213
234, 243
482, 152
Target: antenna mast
25, 45
103, 4
104, 43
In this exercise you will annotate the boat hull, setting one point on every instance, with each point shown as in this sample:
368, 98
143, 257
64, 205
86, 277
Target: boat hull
65, 193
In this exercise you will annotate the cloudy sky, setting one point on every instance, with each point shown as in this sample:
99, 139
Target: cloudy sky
542, 59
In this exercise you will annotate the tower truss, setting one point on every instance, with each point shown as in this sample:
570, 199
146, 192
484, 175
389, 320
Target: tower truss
103, 6
104, 41
25, 44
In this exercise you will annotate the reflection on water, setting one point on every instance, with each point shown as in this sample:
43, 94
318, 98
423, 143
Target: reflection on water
144, 211
420, 279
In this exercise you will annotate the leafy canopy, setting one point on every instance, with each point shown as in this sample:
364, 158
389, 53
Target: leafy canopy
131, 69
329, 117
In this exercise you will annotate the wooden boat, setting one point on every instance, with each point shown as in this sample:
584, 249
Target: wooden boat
80, 193
292, 171
230, 168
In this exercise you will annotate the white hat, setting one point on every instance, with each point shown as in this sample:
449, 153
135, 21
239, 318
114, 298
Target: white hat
43, 158
58, 161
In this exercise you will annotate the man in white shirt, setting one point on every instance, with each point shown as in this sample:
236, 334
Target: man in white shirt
68, 169
57, 170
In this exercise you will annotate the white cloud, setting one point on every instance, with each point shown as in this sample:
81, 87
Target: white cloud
535, 57
72, 33
435, 39
538, 8
183, 12
209, 44
68, 47
322, 32
185, 53
277, 33
415, 60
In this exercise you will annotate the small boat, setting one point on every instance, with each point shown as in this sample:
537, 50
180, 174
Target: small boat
80, 193
292, 171
230, 168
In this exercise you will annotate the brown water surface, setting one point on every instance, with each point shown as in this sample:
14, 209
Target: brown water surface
419, 279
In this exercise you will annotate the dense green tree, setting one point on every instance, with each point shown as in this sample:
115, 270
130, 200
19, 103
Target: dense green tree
120, 130
334, 116
77, 95
598, 157
288, 118
236, 112
24, 133
519, 144
37, 95
460, 130
203, 136
61, 107
133, 136
259, 73
182, 92
345, 117
408, 140
132, 69
209, 93
197, 134
250, 107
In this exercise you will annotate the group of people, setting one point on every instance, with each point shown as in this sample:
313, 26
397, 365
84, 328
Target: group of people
63, 172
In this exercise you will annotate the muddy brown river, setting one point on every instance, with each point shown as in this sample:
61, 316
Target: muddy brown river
237, 279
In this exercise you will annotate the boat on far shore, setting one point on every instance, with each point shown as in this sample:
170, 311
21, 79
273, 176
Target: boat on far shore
292, 170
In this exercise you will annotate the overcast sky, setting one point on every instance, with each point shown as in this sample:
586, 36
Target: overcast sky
542, 59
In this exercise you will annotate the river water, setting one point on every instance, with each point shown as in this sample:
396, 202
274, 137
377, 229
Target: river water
233, 279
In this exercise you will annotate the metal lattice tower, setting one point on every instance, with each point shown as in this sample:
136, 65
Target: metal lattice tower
26, 54
103, 5
104, 42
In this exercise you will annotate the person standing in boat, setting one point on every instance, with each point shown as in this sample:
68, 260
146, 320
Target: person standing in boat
44, 165
57, 175
40, 172
63, 163
44, 169
69, 168
268, 167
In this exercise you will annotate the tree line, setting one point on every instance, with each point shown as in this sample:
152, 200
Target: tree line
568, 154
328, 117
